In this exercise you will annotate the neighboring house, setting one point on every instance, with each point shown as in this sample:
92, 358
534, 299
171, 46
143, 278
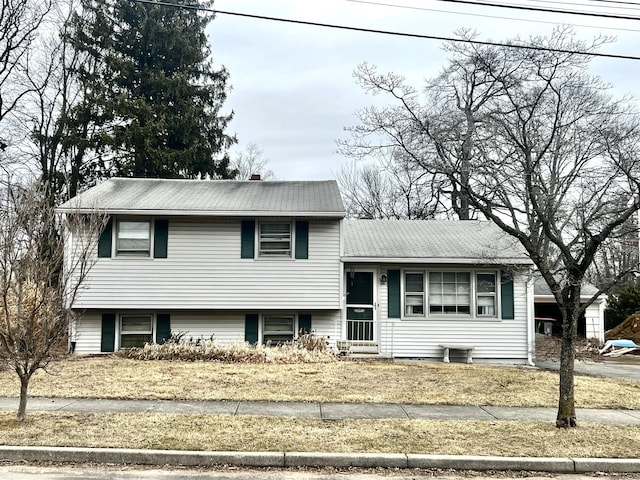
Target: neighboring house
262, 261
549, 320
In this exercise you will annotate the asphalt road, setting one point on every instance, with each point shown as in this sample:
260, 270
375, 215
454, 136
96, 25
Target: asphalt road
52, 472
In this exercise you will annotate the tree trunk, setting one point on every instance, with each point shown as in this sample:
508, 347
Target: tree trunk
566, 400
22, 406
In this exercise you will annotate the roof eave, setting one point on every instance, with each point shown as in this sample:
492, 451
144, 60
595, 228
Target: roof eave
204, 213
439, 260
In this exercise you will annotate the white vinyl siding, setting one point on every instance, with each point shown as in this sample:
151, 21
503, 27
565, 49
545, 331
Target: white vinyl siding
224, 327
495, 340
204, 271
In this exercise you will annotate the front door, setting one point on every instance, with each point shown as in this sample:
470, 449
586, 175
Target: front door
360, 306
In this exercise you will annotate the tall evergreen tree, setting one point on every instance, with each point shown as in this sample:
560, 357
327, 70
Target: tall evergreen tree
151, 92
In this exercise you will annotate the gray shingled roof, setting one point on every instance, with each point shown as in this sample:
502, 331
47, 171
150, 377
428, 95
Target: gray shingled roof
219, 197
430, 241
541, 289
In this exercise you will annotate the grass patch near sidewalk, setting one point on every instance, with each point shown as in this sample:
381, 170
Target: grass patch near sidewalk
226, 433
340, 381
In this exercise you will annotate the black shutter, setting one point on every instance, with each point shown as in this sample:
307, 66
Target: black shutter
160, 238
302, 239
393, 293
304, 323
163, 327
506, 297
247, 238
251, 328
108, 338
104, 242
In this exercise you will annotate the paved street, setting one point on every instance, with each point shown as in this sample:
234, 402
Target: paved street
21, 472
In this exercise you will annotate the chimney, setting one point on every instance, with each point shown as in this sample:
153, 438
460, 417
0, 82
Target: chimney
255, 176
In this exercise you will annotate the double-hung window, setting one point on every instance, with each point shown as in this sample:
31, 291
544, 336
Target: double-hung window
414, 294
133, 237
450, 293
274, 239
135, 330
486, 294
278, 329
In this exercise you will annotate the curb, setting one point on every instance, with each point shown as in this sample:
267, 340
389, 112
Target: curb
315, 459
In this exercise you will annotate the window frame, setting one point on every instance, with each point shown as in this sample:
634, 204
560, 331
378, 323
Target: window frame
264, 332
444, 306
473, 293
122, 332
494, 294
407, 293
286, 253
122, 253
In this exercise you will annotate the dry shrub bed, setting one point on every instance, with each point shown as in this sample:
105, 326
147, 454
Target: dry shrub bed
305, 349
226, 433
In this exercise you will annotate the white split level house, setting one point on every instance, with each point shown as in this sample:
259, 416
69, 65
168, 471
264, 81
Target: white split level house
262, 262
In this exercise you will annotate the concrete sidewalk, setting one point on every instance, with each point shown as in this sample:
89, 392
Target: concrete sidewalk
324, 411
327, 411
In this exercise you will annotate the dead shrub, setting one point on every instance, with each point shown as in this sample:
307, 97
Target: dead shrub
306, 349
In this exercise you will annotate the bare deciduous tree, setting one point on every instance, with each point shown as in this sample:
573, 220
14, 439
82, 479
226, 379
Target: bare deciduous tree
535, 143
251, 162
35, 292
392, 188
19, 24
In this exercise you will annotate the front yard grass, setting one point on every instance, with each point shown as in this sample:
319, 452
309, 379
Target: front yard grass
341, 381
226, 433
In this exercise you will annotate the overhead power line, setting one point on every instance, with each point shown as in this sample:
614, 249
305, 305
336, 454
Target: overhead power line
541, 9
530, 20
388, 32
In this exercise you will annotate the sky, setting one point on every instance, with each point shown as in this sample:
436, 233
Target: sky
292, 86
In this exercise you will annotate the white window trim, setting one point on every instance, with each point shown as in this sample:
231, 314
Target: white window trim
473, 313
118, 333
405, 293
261, 323
259, 255
114, 236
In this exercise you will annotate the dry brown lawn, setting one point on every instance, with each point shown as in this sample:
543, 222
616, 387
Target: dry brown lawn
226, 433
343, 381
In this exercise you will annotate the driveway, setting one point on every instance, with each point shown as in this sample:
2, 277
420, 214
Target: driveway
626, 367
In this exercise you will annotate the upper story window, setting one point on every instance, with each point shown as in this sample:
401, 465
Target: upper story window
133, 237
414, 294
274, 239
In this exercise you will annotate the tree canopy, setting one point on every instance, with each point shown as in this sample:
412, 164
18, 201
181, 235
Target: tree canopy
528, 138
151, 92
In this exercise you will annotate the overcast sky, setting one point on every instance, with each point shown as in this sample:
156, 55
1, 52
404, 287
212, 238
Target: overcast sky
293, 90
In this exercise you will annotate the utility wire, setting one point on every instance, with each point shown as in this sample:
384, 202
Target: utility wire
540, 9
388, 32
411, 7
